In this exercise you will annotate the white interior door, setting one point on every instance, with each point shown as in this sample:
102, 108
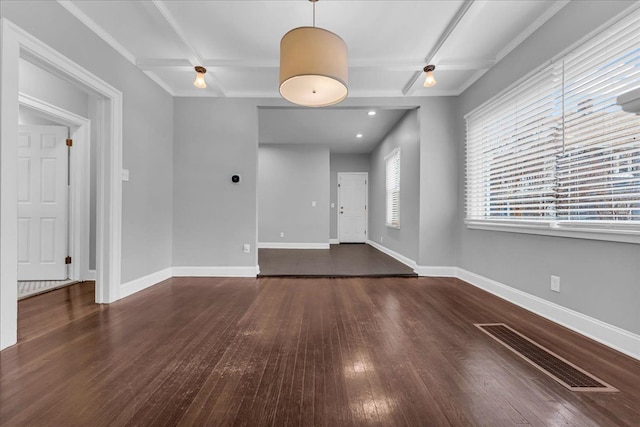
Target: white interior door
352, 207
42, 202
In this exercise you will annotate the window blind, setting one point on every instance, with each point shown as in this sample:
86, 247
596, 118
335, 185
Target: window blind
557, 147
392, 162
599, 169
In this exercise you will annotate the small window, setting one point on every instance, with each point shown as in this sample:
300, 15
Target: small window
393, 188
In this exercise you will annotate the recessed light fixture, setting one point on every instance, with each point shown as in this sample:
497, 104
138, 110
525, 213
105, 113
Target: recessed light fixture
359, 135
371, 113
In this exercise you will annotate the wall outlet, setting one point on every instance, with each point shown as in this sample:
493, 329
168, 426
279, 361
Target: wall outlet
313, 204
555, 283
333, 205
246, 248
381, 239
125, 175
282, 234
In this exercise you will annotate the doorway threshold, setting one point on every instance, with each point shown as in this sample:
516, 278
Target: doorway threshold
29, 288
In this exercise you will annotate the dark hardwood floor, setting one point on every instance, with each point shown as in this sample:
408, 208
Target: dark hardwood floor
289, 351
339, 260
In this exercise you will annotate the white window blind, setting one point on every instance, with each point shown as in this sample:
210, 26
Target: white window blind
393, 188
557, 148
599, 170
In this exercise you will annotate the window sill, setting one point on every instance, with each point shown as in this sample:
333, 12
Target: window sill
582, 230
397, 227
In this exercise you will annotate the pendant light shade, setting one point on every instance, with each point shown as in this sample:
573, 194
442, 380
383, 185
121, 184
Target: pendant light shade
429, 80
313, 67
199, 82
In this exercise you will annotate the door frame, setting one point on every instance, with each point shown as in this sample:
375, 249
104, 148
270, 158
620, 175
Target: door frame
366, 200
80, 193
18, 44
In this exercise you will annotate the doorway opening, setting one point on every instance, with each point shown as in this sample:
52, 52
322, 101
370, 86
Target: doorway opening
18, 45
53, 198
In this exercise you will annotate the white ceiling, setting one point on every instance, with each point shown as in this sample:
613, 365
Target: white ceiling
389, 43
308, 126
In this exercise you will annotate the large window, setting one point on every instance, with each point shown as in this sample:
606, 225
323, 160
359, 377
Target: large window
392, 162
556, 151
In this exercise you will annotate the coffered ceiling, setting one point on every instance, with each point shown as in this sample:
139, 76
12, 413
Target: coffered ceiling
389, 41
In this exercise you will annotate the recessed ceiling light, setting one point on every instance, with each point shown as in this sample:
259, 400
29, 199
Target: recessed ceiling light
359, 135
371, 113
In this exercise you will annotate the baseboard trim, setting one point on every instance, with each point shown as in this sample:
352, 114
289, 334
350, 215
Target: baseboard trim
334, 241
403, 259
279, 245
436, 271
215, 271
612, 336
136, 285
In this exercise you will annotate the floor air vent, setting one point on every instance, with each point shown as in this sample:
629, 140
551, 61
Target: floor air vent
564, 372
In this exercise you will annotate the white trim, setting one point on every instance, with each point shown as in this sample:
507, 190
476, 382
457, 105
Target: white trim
612, 336
366, 203
91, 275
137, 285
334, 241
281, 245
80, 191
403, 259
592, 231
17, 44
436, 271
215, 271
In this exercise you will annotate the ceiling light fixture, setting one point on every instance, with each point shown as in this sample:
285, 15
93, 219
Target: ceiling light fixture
313, 66
371, 113
199, 81
429, 79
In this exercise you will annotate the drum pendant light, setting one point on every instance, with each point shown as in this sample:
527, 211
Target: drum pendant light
313, 66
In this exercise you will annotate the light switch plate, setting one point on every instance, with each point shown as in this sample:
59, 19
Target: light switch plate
125, 174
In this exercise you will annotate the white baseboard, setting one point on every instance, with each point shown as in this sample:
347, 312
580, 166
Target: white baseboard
144, 282
436, 271
617, 338
280, 245
215, 271
91, 275
403, 259
334, 241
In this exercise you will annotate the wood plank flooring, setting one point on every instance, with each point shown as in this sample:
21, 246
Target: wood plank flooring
339, 261
303, 352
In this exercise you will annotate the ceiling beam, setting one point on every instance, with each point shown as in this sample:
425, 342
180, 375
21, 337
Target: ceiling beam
412, 85
194, 57
150, 64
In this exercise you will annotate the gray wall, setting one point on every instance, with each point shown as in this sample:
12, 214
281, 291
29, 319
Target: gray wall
147, 132
342, 163
213, 218
46, 87
405, 134
599, 279
289, 178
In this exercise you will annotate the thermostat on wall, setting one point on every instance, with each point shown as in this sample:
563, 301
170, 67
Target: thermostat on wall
235, 179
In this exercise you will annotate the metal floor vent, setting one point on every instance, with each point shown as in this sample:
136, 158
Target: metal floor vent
561, 370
